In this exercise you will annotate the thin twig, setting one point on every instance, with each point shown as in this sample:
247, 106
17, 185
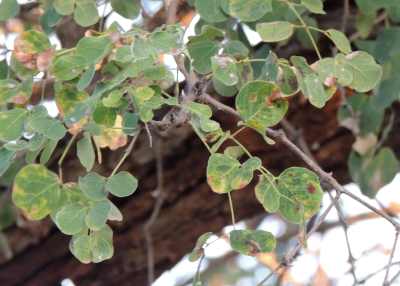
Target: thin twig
66, 150
346, 14
160, 197
390, 264
369, 276
231, 209
126, 153
345, 227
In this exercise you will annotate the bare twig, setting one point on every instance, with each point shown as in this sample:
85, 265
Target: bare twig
369, 276
346, 14
160, 197
390, 264
345, 227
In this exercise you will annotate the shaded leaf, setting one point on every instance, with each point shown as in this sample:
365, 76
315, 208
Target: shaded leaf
122, 184
275, 31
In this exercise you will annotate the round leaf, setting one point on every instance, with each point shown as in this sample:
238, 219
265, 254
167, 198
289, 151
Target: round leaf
247, 10
340, 40
12, 124
36, 191
92, 186
97, 215
122, 184
252, 242
70, 219
275, 31
256, 107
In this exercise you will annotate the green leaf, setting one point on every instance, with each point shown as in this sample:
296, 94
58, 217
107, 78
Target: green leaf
224, 90
301, 194
68, 97
130, 123
85, 152
210, 10
12, 123
80, 247
243, 176
3, 71
86, 78
127, 9
92, 186
254, 105
85, 13
122, 184
113, 99
97, 215
373, 172
33, 42
68, 66
225, 70
220, 169
201, 53
167, 39
336, 68
198, 251
340, 40
95, 246
314, 6
366, 72
70, 219
104, 115
48, 150
268, 194
6, 158
310, 83
247, 10
102, 244
275, 31
252, 242
36, 191
49, 127
64, 7
146, 99
8, 9
93, 49
114, 213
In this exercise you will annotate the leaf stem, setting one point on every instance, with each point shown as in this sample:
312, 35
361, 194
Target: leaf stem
232, 210
291, 7
126, 153
66, 150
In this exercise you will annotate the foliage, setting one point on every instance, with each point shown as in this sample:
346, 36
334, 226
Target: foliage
112, 84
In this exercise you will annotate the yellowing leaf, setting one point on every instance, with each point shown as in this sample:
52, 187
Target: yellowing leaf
36, 191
